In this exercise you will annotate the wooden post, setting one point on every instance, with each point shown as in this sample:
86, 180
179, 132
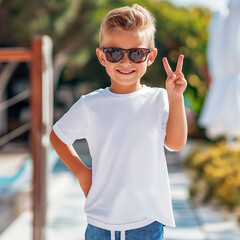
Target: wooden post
41, 82
41, 122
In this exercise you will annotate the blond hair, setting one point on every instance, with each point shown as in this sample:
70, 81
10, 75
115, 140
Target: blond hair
135, 18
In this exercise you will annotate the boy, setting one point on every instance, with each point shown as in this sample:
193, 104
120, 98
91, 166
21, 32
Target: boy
126, 126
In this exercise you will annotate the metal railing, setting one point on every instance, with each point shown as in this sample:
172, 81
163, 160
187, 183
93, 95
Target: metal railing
19, 130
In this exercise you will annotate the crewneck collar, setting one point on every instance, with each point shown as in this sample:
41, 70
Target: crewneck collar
125, 95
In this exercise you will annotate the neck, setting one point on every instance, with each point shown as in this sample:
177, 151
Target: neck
120, 89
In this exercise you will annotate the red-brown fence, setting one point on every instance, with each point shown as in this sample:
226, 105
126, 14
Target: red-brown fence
41, 105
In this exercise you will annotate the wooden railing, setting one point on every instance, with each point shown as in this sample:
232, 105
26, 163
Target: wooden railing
41, 107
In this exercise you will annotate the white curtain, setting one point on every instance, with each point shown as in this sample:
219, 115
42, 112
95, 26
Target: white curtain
221, 111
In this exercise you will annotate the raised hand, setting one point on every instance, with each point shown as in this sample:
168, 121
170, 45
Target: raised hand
175, 82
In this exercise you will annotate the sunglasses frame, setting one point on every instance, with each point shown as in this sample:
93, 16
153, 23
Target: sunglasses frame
146, 50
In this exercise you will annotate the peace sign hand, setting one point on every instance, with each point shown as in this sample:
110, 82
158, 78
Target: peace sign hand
176, 82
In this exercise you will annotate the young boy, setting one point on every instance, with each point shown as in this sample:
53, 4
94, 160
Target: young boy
126, 126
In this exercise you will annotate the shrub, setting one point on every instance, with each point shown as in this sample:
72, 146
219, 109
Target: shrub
215, 173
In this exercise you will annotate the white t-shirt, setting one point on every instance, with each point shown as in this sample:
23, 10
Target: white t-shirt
125, 133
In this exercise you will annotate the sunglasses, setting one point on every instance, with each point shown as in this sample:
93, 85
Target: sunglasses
136, 55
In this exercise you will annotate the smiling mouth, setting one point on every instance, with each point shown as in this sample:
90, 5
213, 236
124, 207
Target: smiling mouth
126, 72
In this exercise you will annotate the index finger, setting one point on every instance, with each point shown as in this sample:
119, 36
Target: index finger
167, 66
179, 63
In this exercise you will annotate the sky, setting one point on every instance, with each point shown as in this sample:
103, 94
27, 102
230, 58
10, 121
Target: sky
214, 5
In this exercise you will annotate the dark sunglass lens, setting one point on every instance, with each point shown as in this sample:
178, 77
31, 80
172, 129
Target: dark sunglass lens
138, 55
114, 54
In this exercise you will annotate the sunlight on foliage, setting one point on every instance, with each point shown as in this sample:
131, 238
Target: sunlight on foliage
215, 173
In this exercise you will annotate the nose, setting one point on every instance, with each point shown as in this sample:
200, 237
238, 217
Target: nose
125, 58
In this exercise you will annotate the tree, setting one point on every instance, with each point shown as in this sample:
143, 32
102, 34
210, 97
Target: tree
72, 25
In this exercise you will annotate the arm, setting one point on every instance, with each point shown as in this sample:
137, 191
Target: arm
176, 132
69, 156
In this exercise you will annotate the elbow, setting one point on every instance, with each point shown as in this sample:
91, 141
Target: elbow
175, 145
178, 148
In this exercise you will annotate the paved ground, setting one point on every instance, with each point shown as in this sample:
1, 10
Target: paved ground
66, 218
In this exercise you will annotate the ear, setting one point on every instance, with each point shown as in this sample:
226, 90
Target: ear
151, 57
101, 56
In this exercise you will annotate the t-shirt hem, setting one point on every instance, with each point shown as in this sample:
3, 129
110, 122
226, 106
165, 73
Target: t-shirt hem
119, 227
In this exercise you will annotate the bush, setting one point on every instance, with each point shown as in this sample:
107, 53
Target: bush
215, 173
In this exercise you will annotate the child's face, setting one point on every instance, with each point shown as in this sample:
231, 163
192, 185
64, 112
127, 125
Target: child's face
125, 72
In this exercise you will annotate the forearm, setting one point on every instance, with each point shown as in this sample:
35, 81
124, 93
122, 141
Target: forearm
69, 156
176, 132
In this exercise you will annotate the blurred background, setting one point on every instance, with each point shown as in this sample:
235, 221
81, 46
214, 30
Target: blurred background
206, 32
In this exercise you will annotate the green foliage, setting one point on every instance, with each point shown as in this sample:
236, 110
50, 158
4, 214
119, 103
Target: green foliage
74, 27
215, 173
179, 31
70, 24
183, 31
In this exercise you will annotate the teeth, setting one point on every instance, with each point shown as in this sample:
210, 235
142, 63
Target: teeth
125, 71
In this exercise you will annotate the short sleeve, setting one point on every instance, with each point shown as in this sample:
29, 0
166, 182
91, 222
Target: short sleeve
74, 124
165, 117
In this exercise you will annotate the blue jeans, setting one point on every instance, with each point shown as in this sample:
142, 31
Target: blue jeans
153, 231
